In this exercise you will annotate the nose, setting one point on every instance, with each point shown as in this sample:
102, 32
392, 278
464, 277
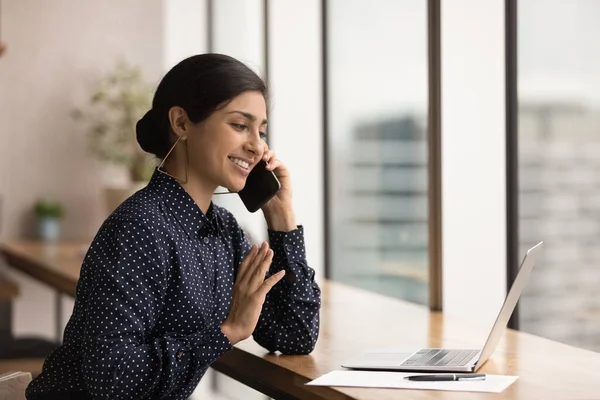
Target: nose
255, 144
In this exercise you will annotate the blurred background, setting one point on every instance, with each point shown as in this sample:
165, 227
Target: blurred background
349, 116
559, 166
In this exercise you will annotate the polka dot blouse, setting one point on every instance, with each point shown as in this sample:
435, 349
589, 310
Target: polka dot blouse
155, 286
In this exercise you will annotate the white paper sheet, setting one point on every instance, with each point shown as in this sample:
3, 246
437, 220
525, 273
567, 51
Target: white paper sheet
395, 380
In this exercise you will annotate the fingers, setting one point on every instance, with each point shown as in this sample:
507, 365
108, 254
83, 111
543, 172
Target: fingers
268, 156
253, 262
261, 268
269, 283
267, 153
246, 264
273, 164
272, 161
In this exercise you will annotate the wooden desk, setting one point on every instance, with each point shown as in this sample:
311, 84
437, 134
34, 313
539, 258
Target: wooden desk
8, 291
57, 266
353, 320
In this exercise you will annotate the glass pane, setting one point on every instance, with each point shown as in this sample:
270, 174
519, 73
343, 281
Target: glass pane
377, 82
559, 167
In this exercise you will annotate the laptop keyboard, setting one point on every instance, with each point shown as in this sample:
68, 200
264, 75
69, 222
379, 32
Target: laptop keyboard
440, 358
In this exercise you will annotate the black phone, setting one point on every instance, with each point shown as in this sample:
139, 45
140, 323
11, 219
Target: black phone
261, 186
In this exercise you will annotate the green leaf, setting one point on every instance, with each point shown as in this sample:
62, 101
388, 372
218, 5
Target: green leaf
48, 209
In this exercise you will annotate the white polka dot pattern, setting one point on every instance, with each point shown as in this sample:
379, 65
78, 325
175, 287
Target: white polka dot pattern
155, 286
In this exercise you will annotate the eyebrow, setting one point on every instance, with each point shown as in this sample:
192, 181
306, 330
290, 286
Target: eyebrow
247, 115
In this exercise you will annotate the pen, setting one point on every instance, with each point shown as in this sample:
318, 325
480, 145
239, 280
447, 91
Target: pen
447, 377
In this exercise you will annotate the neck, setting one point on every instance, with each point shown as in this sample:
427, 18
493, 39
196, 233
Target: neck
199, 189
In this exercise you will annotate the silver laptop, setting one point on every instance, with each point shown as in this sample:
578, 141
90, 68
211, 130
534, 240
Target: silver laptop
453, 360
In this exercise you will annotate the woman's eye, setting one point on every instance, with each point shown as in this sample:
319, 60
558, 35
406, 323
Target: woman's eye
263, 135
239, 127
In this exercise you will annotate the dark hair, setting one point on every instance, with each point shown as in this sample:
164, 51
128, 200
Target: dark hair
199, 84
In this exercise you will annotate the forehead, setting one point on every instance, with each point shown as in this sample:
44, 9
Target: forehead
249, 102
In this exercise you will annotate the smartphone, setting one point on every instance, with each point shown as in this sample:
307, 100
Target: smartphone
261, 186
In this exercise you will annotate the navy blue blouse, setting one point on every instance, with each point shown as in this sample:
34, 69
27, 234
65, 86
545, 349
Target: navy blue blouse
155, 286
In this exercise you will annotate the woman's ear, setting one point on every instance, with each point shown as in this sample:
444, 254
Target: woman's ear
179, 122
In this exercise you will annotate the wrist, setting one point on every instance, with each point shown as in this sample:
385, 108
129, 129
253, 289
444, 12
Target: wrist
230, 333
281, 219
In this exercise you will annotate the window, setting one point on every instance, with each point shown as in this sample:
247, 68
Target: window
559, 167
377, 85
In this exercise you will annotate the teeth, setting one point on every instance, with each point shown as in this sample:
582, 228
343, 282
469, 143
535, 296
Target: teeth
239, 162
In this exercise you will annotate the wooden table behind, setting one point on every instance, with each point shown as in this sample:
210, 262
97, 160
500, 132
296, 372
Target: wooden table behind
56, 265
354, 320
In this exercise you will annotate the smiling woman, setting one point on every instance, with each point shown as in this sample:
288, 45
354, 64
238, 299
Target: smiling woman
224, 146
211, 103
170, 282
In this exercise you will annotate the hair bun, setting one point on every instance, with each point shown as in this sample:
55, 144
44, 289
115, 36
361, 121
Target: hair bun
145, 130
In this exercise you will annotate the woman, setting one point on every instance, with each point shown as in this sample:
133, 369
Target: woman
170, 283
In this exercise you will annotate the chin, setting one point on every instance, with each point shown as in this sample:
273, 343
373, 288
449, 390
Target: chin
235, 186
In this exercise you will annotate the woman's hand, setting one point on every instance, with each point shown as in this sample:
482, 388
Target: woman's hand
283, 198
278, 211
249, 292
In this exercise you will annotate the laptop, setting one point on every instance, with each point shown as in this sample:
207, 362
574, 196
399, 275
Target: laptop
452, 360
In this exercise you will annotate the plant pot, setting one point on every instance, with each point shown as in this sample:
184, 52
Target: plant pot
114, 196
49, 229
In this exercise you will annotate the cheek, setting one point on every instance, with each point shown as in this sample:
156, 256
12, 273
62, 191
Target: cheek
198, 150
199, 156
211, 149
223, 139
209, 156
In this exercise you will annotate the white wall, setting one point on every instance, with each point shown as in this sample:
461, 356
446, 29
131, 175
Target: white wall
473, 158
57, 52
238, 31
185, 32
296, 124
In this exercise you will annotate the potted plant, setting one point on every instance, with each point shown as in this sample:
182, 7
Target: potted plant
49, 215
120, 100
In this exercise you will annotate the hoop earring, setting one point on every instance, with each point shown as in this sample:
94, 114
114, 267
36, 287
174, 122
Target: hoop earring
160, 167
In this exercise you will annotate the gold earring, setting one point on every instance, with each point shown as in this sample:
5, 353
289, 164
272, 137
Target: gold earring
160, 167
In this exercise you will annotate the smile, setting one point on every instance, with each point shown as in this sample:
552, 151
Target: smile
239, 162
